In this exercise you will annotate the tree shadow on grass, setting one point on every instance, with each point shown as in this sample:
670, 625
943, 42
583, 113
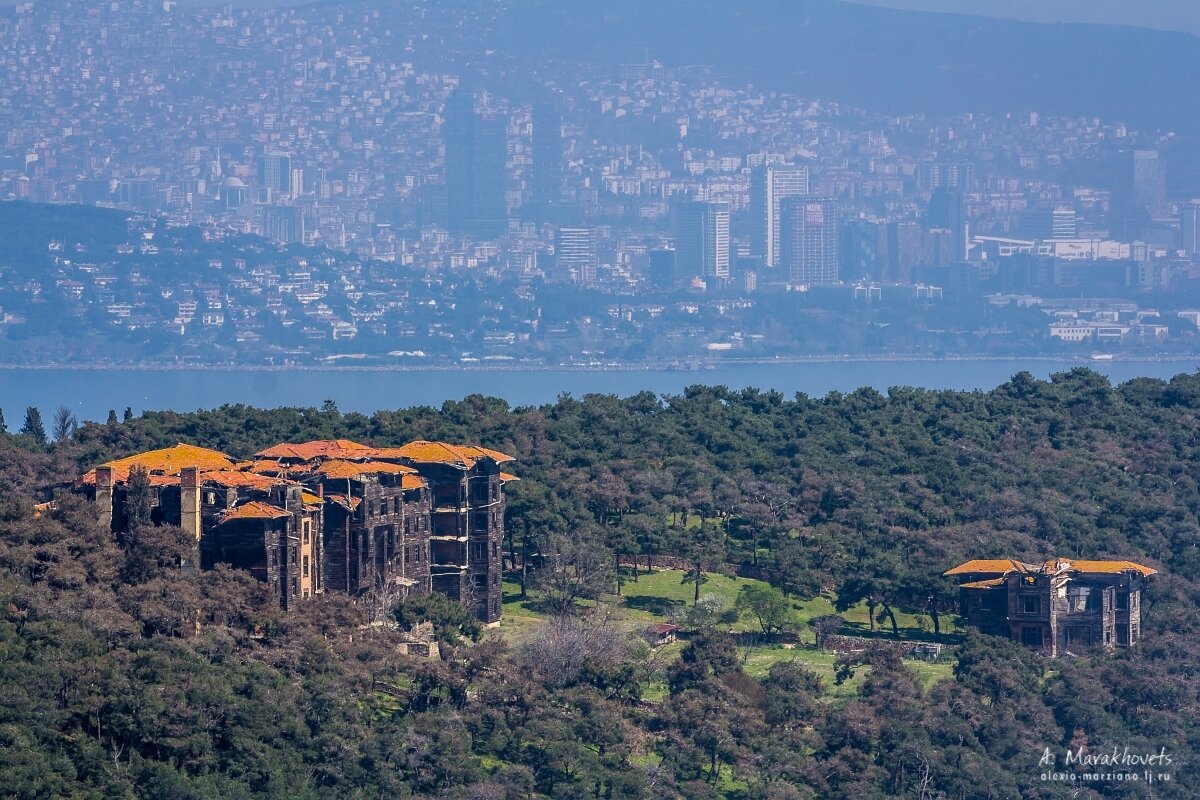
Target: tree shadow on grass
660, 606
884, 631
548, 609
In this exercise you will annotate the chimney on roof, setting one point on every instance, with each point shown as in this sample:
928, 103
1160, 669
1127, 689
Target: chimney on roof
293, 500
104, 495
189, 501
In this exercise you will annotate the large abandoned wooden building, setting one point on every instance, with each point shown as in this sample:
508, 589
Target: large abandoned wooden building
1059, 607
330, 516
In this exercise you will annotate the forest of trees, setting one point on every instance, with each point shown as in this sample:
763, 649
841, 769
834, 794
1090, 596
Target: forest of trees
113, 685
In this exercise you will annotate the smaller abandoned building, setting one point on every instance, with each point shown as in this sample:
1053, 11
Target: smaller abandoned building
1058, 607
660, 634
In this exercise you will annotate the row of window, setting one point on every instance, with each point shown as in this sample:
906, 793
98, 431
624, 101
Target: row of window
387, 536
1032, 636
295, 591
479, 551
293, 556
1079, 600
481, 581
394, 504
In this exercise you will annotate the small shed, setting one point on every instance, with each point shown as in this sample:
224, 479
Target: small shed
660, 633
927, 651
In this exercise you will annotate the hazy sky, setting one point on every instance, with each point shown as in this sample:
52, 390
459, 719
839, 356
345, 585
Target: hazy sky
1172, 15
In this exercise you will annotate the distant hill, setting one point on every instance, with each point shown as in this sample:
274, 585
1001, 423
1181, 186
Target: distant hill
884, 59
29, 226
1166, 15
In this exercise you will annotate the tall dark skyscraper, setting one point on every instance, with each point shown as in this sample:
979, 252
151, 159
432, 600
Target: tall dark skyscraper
476, 153
863, 253
701, 240
547, 173
946, 212
284, 224
1189, 226
809, 239
1150, 181
770, 185
906, 249
491, 177
661, 267
275, 175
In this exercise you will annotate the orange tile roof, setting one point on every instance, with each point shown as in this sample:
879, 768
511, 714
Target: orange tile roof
990, 583
254, 510
464, 456
412, 482
163, 480
506, 477
1003, 566
337, 468
234, 479
997, 566
168, 461
310, 499
321, 448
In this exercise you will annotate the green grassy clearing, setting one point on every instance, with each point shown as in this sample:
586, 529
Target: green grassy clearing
655, 597
652, 597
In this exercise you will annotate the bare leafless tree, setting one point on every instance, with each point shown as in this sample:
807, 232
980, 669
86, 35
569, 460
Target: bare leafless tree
573, 568
381, 599
560, 650
64, 424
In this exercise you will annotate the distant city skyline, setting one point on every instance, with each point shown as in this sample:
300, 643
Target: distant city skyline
429, 194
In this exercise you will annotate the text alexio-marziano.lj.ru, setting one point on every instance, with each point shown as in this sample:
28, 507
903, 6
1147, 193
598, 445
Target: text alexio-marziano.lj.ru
1118, 764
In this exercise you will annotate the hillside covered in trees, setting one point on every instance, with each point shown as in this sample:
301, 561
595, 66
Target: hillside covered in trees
112, 684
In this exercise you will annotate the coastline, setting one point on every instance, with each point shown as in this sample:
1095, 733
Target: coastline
690, 365
93, 390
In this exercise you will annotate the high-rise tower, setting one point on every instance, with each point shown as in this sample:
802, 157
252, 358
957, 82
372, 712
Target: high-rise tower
575, 255
547, 172
476, 154
275, 175
702, 240
1189, 226
946, 212
1150, 181
770, 185
809, 239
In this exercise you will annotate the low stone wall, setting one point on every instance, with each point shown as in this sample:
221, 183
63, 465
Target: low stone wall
850, 645
668, 561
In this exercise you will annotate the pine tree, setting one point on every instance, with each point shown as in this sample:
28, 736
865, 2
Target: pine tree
33, 426
3, 426
128, 413
112, 416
